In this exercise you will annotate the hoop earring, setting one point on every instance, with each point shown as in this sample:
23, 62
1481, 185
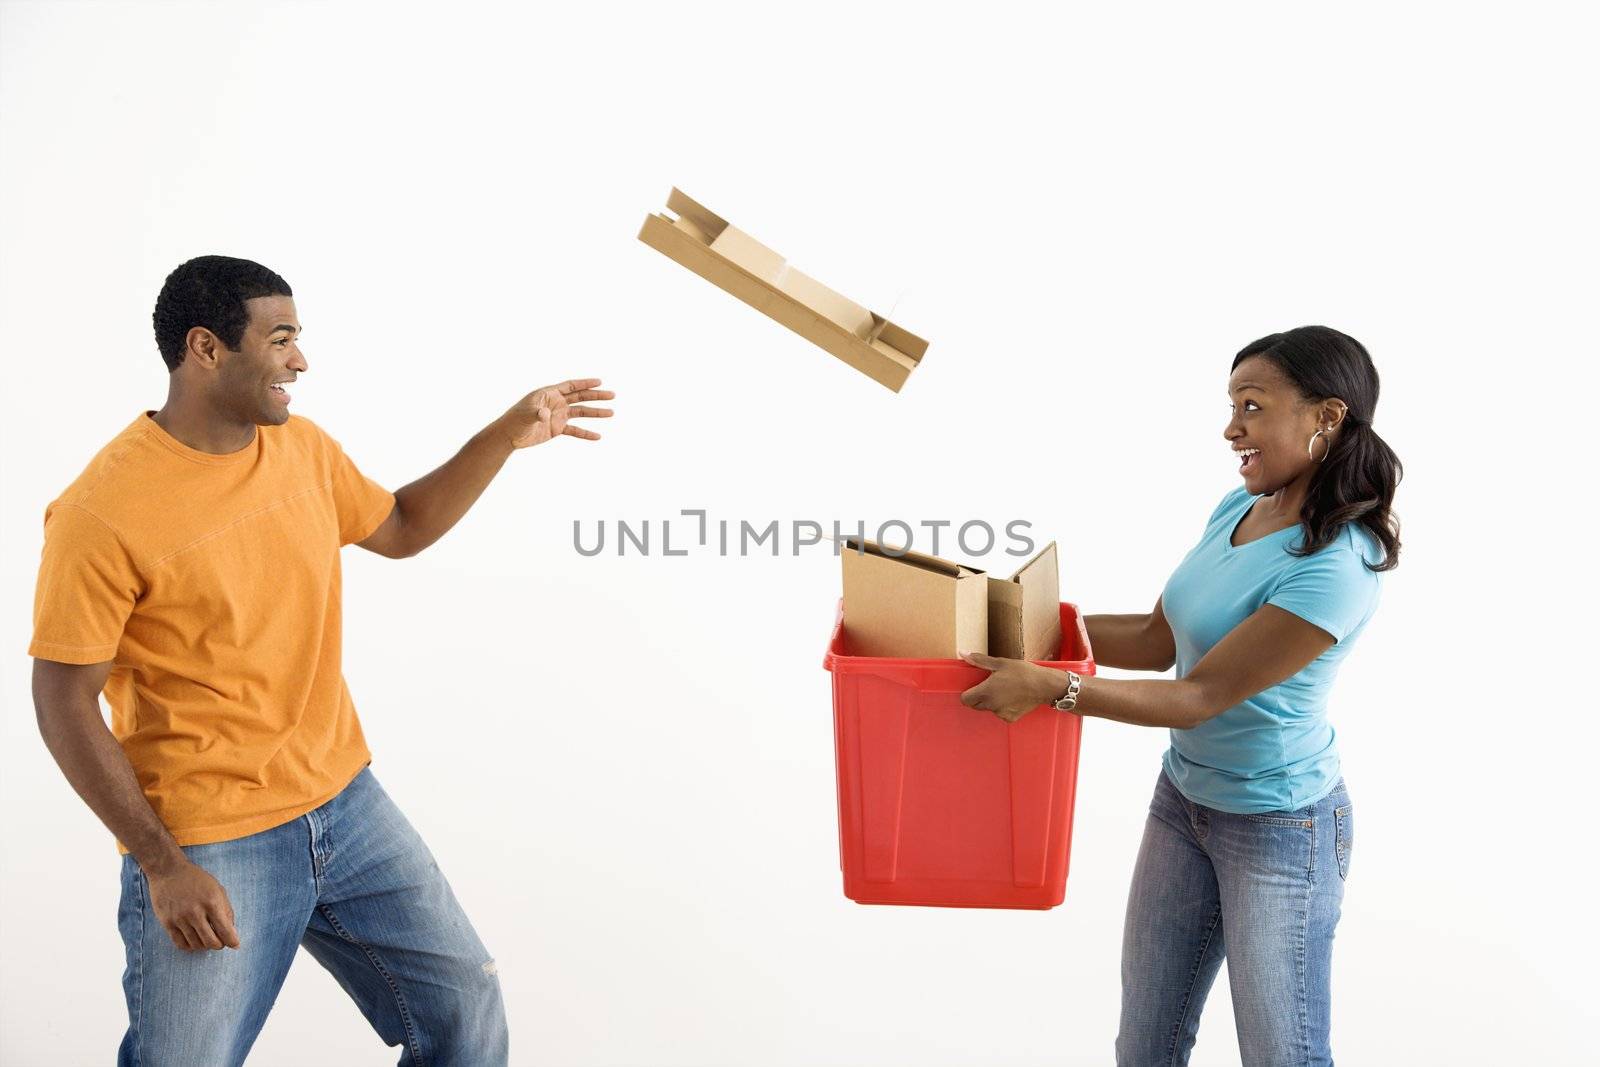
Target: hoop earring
1327, 447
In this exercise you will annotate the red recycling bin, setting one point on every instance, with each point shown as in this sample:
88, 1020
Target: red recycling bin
945, 805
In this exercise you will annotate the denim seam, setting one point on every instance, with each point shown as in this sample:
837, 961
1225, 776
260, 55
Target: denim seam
1188, 994
1300, 952
314, 827
377, 964
138, 999
1275, 820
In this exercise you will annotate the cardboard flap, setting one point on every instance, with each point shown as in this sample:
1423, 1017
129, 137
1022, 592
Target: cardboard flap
900, 341
1005, 618
699, 218
1024, 610
1040, 582
909, 558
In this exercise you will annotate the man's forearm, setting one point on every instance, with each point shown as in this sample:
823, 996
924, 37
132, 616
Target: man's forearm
435, 502
97, 768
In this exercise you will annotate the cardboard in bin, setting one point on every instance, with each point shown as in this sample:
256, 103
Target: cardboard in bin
1024, 611
909, 605
732, 260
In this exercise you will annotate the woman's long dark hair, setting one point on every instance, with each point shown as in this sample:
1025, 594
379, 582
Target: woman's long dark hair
1356, 482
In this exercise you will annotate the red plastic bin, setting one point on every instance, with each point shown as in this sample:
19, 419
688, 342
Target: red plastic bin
945, 805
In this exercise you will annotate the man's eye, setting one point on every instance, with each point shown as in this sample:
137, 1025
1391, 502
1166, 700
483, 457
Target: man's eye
282, 341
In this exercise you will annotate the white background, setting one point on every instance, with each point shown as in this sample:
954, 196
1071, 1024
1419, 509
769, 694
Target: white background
625, 765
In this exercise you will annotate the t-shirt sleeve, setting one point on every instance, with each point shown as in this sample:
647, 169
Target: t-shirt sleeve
362, 503
1331, 589
1227, 501
87, 588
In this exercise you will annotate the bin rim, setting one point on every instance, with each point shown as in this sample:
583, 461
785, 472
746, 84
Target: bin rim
894, 666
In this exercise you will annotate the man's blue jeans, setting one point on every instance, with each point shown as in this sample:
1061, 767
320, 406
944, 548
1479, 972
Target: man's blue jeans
1262, 890
354, 884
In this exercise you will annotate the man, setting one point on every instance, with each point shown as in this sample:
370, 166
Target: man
192, 572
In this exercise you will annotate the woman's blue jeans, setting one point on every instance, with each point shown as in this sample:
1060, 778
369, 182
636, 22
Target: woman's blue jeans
353, 883
1264, 891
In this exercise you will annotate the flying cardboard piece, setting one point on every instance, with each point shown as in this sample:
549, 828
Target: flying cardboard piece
732, 260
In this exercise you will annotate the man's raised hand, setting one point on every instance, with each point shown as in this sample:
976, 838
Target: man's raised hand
546, 412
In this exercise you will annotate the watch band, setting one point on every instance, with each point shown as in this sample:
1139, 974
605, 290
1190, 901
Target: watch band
1069, 700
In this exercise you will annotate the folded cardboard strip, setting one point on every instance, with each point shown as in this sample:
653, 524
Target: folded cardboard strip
732, 260
914, 606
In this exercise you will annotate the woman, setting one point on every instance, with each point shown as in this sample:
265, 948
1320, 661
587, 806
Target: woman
1248, 841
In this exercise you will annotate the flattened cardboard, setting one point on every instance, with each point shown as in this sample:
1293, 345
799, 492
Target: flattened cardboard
734, 261
1024, 610
911, 605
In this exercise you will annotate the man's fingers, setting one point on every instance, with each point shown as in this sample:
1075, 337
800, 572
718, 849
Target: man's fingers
577, 385
978, 659
589, 394
222, 923
181, 937
578, 431
202, 930
588, 413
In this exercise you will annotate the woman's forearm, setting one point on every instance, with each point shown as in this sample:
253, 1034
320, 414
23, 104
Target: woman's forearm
1126, 642
1177, 704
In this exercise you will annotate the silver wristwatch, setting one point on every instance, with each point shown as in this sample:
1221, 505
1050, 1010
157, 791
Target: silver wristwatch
1069, 699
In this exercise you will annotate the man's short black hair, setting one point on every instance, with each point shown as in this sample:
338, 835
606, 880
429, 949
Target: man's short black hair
210, 291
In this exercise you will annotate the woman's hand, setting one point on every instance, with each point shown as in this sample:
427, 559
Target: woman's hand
1014, 688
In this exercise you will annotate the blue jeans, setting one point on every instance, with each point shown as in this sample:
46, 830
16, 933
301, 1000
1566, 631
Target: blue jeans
1262, 890
353, 884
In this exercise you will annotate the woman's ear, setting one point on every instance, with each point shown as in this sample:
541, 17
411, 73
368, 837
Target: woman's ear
1332, 414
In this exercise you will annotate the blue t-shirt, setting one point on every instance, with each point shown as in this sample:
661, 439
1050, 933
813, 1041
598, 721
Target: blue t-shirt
1275, 750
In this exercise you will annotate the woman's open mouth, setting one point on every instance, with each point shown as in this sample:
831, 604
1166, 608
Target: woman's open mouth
1251, 460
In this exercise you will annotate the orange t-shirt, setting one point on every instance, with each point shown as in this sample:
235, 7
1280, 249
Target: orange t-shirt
213, 583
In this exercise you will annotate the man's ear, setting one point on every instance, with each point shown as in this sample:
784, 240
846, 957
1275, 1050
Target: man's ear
201, 344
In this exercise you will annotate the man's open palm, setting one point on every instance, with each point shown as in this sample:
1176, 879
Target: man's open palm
545, 413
